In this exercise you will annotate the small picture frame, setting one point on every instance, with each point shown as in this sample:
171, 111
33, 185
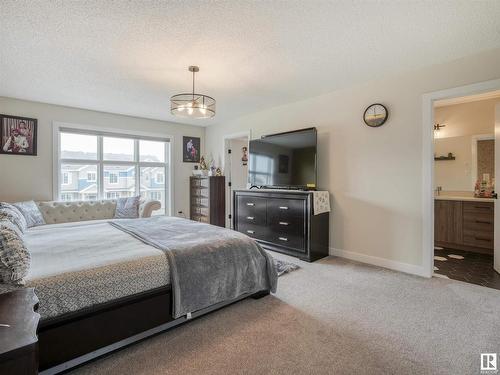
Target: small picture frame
18, 135
191, 149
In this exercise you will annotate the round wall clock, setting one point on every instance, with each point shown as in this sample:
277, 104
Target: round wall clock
376, 115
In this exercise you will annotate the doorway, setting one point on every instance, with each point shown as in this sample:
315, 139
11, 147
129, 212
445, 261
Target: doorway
461, 228
235, 168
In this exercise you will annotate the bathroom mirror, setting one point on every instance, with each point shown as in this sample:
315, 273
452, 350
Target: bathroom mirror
473, 159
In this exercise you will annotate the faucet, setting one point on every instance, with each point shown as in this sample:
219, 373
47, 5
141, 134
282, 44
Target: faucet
438, 189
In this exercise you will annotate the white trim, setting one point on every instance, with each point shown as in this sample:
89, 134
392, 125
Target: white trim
428, 161
380, 262
475, 139
225, 160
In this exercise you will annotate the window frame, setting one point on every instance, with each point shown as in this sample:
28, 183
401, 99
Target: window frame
167, 165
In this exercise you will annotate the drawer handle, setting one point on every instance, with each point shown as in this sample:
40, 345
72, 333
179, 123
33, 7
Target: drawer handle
483, 222
282, 238
5, 325
250, 204
250, 217
483, 207
482, 239
250, 231
283, 208
283, 223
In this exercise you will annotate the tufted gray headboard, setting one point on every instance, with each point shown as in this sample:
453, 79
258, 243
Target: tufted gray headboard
65, 212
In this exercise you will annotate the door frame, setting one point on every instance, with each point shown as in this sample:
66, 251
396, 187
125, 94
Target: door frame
227, 171
428, 100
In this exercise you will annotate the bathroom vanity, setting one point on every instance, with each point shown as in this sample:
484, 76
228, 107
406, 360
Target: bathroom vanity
464, 223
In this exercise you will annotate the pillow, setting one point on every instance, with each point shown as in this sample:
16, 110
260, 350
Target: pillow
31, 213
127, 208
14, 256
11, 213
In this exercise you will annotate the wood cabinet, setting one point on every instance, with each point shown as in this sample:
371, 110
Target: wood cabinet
283, 222
464, 225
207, 199
18, 339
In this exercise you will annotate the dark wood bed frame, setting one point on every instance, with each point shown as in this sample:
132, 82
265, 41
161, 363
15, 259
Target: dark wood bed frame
73, 339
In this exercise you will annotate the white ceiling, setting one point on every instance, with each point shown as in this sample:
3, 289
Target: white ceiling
130, 57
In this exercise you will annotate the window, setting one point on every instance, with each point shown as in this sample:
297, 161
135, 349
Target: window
66, 197
155, 195
159, 178
98, 165
66, 178
113, 177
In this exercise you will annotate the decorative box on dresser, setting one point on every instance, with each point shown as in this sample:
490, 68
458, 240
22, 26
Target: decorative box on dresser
208, 199
283, 221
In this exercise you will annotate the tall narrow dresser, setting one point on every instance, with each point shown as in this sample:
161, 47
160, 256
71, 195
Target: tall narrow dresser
208, 199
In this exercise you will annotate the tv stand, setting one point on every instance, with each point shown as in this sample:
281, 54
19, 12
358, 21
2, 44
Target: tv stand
283, 221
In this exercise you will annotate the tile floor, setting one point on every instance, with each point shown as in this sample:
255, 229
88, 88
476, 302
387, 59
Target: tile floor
466, 266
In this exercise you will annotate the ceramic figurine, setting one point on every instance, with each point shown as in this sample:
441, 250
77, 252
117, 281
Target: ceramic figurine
218, 172
244, 158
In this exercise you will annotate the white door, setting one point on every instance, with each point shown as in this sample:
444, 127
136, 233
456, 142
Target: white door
496, 254
235, 171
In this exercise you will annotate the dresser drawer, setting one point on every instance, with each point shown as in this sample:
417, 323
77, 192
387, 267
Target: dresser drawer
479, 239
287, 225
478, 222
200, 218
255, 231
295, 242
286, 208
252, 210
199, 183
478, 208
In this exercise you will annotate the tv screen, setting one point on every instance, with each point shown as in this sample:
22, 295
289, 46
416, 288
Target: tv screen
285, 160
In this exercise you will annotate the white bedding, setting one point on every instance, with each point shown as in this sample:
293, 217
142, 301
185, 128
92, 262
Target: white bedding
70, 247
79, 265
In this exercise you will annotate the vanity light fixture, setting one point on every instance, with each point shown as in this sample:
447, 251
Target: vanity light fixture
192, 105
437, 129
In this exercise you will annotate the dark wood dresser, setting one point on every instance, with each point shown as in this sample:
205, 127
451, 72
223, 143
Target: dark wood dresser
208, 199
464, 225
18, 340
283, 221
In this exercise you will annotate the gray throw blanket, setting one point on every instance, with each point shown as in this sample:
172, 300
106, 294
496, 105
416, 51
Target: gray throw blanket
208, 264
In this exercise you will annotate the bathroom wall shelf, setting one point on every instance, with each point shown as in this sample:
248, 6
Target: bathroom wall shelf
448, 157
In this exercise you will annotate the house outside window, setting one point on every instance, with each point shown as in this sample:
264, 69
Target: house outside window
66, 178
160, 178
100, 165
113, 178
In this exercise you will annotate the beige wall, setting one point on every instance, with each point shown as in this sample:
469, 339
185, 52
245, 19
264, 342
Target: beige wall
26, 177
374, 175
454, 175
467, 118
462, 122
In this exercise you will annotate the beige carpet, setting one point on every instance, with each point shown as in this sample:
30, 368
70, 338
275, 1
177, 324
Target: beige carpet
330, 317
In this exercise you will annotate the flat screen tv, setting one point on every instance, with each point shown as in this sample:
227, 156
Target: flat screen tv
284, 160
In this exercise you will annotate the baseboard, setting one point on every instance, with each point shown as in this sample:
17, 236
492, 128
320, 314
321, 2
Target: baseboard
381, 262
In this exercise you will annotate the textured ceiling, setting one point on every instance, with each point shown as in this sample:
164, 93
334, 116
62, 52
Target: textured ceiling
130, 57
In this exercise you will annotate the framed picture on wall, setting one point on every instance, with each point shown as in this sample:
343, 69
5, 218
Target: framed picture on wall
18, 135
190, 149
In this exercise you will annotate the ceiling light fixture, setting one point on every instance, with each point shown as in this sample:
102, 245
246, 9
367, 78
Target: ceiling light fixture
192, 105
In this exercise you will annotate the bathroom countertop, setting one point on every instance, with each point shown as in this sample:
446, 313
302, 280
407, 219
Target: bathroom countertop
462, 198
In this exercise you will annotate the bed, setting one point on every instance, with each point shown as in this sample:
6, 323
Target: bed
105, 284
